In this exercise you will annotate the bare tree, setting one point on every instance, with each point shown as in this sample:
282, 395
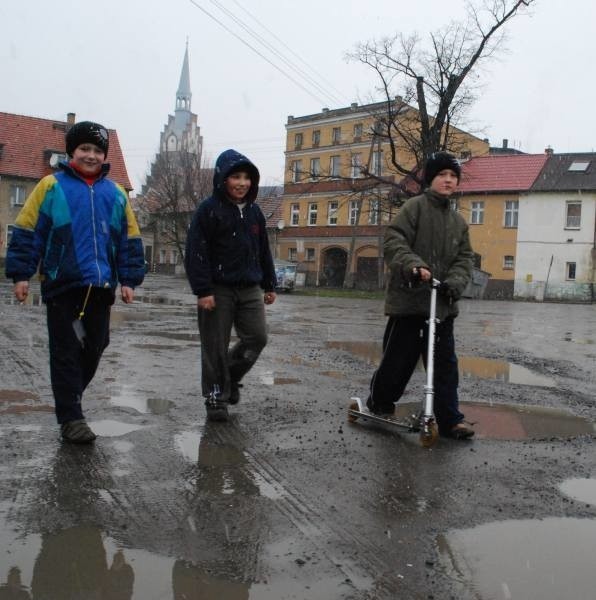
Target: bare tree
427, 89
177, 183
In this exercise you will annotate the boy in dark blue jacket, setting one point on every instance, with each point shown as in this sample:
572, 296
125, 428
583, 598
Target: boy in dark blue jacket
230, 269
78, 228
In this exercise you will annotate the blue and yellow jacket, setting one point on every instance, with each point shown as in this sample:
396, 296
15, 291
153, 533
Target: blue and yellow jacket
77, 235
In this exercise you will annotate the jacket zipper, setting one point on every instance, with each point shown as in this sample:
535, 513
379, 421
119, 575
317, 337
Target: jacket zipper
92, 199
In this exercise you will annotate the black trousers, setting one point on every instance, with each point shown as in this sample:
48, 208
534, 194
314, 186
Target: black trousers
404, 342
72, 363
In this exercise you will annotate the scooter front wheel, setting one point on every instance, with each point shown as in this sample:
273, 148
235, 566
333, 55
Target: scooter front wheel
429, 434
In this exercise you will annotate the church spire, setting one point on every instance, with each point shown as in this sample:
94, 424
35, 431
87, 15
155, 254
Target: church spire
183, 95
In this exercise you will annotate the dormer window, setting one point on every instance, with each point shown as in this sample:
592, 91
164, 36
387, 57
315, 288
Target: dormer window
579, 166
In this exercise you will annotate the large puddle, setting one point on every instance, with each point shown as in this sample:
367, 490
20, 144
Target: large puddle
469, 366
547, 559
508, 422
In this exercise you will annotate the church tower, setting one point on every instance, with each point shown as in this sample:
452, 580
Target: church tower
182, 132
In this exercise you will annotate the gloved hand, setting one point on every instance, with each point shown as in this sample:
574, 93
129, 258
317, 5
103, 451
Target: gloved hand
447, 291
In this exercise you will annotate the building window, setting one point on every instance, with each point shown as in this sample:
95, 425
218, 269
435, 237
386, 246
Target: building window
174, 257
9, 230
477, 213
17, 195
574, 215
312, 213
332, 207
357, 132
335, 166
336, 135
377, 162
511, 212
296, 171
294, 214
356, 165
508, 262
373, 212
570, 271
354, 212
163, 226
315, 168
297, 141
309, 254
292, 254
162, 256
316, 137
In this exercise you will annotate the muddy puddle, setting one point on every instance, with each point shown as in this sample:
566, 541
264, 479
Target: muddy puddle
508, 422
129, 397
469, 366
110, 428
580, 489
546, 559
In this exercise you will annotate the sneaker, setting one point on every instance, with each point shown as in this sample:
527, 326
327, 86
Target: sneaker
461, 431
380, 411
216, 410
77, 432
234, 392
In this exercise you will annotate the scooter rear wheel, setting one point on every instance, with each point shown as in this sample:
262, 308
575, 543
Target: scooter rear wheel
353, 418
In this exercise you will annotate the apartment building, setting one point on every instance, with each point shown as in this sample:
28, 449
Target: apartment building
333, 212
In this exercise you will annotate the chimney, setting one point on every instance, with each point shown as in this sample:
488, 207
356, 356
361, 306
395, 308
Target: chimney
485, 140
549, 151
325, 110
505, 143
70, 119
354, 105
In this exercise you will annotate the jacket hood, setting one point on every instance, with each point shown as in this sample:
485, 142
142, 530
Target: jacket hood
232, 160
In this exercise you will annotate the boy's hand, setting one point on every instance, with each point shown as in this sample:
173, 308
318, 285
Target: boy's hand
206, 303
21, 290
422, 273
127, 294
270, 297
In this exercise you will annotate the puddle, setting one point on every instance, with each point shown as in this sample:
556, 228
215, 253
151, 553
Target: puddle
268, 378
469, 366
583, 490
548, 559
130, 398
11, 402
17, 396
109, 428
187, 444
508, 422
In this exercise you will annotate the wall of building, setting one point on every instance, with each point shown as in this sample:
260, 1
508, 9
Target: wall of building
545, 246
8, 213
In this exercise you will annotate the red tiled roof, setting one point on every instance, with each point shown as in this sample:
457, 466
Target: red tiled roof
27, 142
501, 173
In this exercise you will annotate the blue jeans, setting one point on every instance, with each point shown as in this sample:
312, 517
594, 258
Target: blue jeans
239, 307
404, 342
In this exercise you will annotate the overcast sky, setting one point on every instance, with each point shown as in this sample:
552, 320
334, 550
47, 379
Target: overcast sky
118, 62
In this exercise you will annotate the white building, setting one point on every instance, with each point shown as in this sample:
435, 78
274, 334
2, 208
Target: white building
556, 251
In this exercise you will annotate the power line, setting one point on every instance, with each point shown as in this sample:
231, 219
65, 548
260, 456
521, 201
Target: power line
311, 81
311, 94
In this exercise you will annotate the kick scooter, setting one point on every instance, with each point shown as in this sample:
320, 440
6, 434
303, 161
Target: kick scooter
424, 422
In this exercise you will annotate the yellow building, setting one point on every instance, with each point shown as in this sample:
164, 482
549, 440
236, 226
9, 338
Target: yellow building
490, 189
338, 192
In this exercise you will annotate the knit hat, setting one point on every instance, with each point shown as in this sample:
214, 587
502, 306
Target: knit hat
87, 132
439, 161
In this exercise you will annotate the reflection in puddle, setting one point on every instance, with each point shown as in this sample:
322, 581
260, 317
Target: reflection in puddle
17, 396
549, 559
507, 422
129, 397
583, 490
268, 378
333, 374
187, 443
12, 402
469, 366
109, 428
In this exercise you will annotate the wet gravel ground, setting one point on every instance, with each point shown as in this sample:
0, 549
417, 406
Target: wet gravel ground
289, 500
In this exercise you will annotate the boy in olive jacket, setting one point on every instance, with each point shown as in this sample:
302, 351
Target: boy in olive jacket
427, 239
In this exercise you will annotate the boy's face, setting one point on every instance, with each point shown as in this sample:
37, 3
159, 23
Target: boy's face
444, 182
237, 185
87, 159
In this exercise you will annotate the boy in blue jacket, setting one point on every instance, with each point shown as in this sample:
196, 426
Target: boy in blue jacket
77, 227
230, 269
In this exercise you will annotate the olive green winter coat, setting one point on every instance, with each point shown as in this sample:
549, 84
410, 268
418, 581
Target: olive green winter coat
428, 233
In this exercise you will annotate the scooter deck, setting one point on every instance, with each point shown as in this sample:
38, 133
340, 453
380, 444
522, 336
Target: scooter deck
358, 411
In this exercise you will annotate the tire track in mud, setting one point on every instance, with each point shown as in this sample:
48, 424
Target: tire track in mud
371, 574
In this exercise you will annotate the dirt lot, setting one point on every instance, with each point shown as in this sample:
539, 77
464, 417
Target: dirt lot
289, 500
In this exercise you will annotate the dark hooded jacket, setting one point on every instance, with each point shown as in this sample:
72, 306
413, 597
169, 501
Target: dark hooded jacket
428, 233
227, 245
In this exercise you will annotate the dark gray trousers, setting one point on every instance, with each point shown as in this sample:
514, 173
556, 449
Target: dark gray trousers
243, 309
